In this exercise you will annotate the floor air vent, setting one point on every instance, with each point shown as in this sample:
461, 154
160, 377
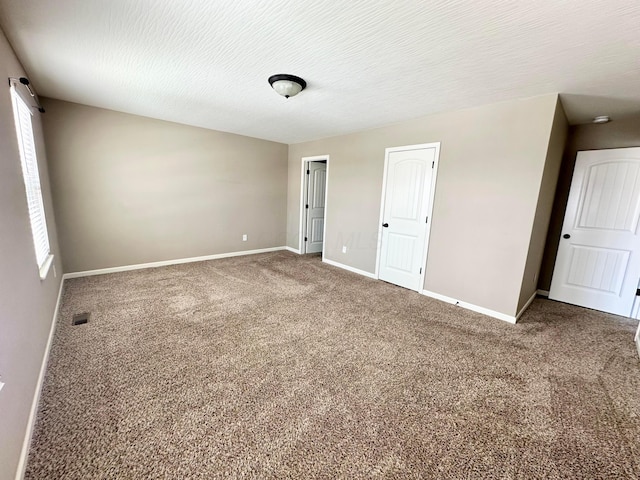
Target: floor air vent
80, 318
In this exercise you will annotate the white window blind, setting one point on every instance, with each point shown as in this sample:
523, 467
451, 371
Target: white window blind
27, 146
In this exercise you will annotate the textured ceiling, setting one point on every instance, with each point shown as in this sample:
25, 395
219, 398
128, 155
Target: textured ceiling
367, 62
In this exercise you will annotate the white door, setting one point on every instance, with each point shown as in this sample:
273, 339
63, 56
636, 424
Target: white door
316, 184
598, 262
407, 198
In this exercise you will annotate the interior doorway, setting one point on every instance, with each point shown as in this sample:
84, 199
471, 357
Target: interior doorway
313, 199
405, 214
598, 260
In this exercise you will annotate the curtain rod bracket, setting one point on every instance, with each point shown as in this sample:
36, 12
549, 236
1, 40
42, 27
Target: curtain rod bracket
25, 81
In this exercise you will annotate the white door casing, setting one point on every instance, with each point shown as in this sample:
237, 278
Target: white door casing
316, 182
598, 261
407, 202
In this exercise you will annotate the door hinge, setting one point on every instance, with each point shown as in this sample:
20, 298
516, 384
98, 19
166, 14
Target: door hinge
427, 220
638, 292
433, 163
306, 206
420, 270
305, 239
308, 172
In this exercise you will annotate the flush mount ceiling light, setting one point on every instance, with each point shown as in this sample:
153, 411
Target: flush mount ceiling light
601, 119
287, 85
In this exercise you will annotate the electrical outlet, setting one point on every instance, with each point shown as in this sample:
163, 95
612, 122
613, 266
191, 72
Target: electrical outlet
344, 249
244, 237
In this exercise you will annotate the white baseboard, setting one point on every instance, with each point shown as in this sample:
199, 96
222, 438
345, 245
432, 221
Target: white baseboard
31, 422
165, 263
293, 250
544, 293
526, 305
351, 269
437, 296
472, 307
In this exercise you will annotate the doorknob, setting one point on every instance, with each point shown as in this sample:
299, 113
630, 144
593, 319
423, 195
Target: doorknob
566, 235
385, 225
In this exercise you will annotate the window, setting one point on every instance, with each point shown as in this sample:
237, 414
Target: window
26, 143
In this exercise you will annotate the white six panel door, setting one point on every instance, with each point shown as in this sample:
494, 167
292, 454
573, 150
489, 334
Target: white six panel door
598, 261
405, 210
317, 179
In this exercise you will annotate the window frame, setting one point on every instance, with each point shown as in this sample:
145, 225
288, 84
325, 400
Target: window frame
32, 182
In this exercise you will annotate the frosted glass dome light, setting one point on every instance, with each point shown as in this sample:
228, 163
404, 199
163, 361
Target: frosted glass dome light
287, 85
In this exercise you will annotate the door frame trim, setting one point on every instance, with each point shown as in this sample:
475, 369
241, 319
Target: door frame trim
387, 151
303, 193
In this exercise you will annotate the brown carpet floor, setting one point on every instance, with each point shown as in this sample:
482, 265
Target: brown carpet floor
280, 366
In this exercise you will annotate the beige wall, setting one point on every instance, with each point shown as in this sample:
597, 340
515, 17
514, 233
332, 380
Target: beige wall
620, 133
130, 190
557, 141
26, 303
491, 165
